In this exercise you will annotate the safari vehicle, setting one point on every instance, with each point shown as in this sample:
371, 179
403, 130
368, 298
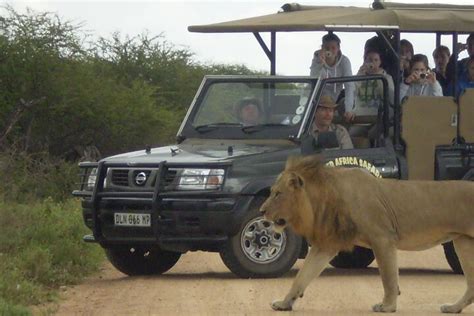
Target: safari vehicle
148, 207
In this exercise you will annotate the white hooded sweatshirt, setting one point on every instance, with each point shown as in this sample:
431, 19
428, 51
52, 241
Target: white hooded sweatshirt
341, 68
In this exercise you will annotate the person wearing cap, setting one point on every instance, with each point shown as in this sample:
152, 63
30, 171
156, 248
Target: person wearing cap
249, 111
323, 123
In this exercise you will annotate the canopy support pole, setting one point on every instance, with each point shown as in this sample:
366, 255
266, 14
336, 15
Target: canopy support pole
271, 53
458, 139
396, 97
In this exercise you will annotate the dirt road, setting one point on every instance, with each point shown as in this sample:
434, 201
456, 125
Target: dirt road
200, 284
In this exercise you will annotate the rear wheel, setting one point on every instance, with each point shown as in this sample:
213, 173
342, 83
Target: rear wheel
359, 258
140, 260
257, 251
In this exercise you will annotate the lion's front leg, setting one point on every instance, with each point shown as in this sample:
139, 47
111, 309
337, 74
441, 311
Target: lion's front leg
313, 265
386, 256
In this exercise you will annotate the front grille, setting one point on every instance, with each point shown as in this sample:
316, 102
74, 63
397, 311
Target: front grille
127, 178
120, 177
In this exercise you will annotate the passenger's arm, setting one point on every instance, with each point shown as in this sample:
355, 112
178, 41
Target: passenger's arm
403, 90
348, 86
316, 65
435, 89
391, 88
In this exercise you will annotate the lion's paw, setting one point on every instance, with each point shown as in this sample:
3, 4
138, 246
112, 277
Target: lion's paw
281, 306
381, 308
452, 309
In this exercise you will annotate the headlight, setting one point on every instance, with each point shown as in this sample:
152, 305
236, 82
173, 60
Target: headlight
201, 179
92, 179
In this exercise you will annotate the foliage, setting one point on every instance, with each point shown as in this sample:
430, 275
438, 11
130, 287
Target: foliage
28, 177
117, 94
43, 244
61, 92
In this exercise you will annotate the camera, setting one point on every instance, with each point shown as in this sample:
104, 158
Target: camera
423, 75
369, 66
327, 53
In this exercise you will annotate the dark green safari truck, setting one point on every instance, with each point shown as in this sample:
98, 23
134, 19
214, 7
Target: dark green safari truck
148, 207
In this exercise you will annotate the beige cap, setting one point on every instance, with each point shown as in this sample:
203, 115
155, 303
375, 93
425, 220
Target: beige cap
327, 102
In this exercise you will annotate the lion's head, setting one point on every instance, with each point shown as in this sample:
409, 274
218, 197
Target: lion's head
305, 197
286, 198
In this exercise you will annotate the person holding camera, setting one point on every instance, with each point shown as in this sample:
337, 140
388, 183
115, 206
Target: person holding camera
370, 93
421, 80
329, 62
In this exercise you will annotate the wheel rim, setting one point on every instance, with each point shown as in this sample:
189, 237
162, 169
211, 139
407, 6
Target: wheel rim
260, 243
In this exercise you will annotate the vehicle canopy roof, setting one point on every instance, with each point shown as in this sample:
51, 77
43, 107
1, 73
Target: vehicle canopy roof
381, 15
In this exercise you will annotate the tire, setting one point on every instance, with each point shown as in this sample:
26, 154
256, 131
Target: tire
359, 258
257, 251
142, 260
452, 257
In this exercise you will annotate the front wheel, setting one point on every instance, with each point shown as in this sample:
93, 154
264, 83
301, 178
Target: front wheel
257, 251
140, 260
359, 258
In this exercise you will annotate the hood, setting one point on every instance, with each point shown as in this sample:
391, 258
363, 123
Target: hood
201, 151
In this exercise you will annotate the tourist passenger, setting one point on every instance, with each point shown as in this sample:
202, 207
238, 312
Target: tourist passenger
462, 64
329, 62
406, 54
421, 80
441, 58
467, 81
369, 94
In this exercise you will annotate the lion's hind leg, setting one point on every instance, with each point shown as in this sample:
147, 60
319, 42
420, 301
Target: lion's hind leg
313, 265
464, 246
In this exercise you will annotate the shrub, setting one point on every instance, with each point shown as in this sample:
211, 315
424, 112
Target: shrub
41, 248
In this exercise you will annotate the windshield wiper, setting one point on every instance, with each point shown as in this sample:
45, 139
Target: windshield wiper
209, 127
255, 128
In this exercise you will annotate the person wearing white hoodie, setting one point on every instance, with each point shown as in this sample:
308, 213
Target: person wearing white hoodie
421, 80
329, 62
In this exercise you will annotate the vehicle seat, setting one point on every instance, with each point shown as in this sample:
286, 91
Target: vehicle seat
426, 123
283, 107
466, 103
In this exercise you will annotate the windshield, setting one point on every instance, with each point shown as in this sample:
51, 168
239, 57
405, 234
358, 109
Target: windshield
250, 108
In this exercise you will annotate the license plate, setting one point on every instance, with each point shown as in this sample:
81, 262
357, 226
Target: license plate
132, 219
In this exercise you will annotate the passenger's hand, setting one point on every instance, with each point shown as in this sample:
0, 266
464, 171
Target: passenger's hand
414, 76
404, 63
460, 47
362, 70
321, 56
349, 116
431, 77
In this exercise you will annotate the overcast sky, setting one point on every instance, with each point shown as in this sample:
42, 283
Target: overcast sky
294, 50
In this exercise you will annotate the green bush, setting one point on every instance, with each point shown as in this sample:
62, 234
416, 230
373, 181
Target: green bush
41, 248
28, 177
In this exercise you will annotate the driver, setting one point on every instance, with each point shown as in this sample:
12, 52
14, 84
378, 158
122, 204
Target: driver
249, 111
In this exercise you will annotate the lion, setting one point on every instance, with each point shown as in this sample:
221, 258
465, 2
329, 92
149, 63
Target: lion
338, 208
